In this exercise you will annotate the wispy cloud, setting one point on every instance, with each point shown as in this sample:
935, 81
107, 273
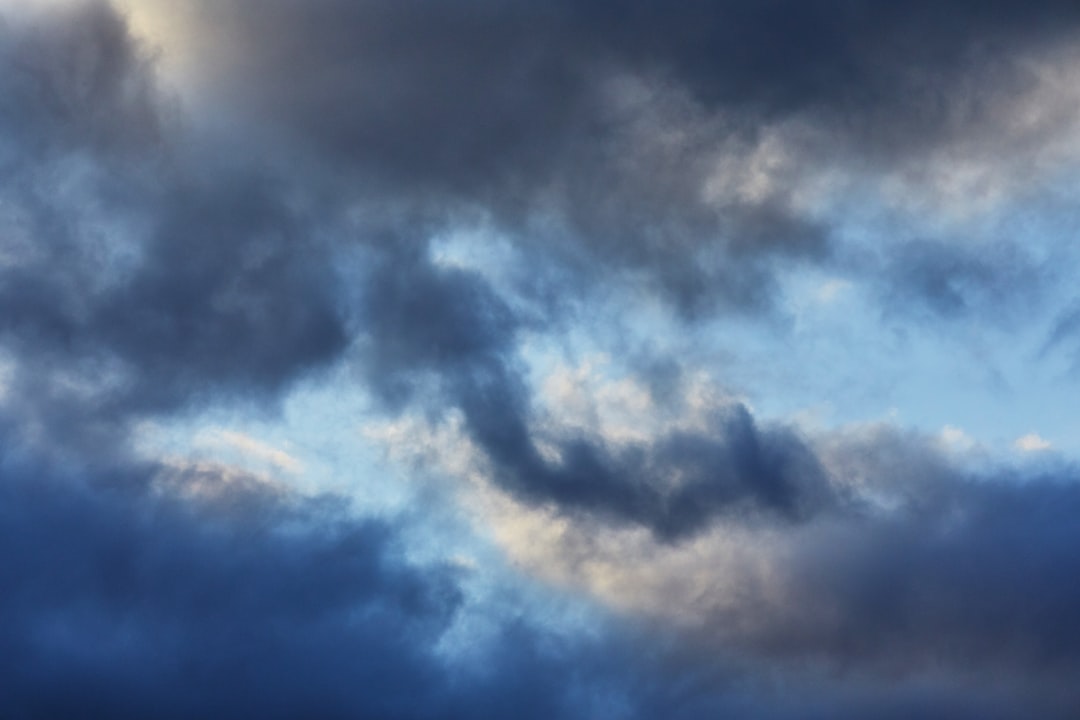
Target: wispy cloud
250, 447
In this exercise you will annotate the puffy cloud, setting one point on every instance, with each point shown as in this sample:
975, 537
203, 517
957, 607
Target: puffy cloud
1032, 442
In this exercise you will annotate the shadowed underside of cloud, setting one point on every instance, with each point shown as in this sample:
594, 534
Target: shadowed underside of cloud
428, 322
691, 144
953, 282
178, 592
927, 580
939, 577
185, 591
148, 270
496, 91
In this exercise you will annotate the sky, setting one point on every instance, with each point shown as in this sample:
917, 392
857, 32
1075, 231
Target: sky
581, 359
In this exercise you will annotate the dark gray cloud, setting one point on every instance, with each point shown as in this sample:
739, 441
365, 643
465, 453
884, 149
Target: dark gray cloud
507, 90
143, 589
134, 283
908, 589
946, 280
150, 591
1064, 336
598, 129
171, 592
893, 77
122, 260
75, 80
441, 337
676, 485
939, 579
518, 112
980, 578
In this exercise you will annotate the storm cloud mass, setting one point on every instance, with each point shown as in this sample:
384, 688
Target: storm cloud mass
578, 359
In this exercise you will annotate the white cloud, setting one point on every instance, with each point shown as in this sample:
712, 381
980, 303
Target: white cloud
1032, 442
831, 290
955, 439
251, 448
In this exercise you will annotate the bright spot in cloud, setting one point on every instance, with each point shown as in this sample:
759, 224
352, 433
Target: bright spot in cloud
954, 438
1032, 442
250, 448
830, 290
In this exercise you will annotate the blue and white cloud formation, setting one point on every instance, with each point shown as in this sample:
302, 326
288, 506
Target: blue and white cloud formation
574, 359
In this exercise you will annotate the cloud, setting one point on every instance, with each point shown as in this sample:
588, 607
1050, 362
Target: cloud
137, 596
949, 281
675, 483
156, 260
1032, 443
699, 147
954, 439
931, 574
250, 447
1063, 336
928, 576
139, 279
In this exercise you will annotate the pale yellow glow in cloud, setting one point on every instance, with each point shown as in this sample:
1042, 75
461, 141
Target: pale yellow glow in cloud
956, 439
169, 29
687, 584
251, 448
213, 484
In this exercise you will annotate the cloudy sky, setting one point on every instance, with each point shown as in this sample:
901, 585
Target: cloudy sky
565, 359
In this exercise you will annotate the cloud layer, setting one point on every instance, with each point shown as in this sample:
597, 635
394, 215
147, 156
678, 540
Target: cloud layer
449, 209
